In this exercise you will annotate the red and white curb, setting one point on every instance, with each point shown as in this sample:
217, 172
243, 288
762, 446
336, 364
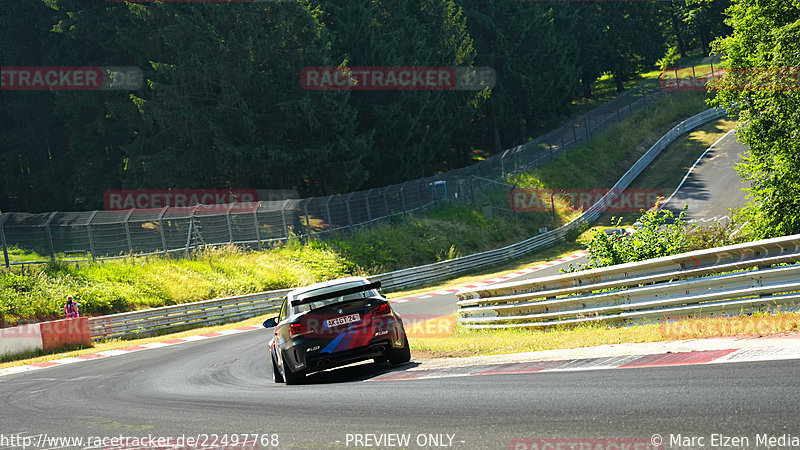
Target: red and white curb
124, 351
603, 363
500, 279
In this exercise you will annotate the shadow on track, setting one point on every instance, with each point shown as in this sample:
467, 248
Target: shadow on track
356, 372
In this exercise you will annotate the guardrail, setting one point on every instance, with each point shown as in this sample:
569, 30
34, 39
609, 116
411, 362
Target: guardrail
432, 272
646, 290
216, 311
168, 318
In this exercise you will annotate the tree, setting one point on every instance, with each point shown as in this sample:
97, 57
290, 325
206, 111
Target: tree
413, 130
765, 41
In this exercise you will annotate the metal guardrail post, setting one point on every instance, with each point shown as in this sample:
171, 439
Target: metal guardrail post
161, 229
89, 232
3, 241
50, 235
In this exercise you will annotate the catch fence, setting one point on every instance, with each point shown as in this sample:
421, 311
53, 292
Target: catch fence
107, 234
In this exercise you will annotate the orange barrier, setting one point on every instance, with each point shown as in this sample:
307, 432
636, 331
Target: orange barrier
60, 333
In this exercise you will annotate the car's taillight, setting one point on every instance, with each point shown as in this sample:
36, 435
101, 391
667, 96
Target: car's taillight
297, 329
383, 310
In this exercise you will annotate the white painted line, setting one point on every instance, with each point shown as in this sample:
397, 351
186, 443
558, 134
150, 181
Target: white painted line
689, 172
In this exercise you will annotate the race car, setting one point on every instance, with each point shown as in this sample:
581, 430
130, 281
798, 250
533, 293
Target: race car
332, 324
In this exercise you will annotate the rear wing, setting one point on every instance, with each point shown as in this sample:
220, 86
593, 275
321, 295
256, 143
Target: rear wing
339, 293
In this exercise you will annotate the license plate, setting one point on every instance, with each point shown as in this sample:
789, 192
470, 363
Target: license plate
343, 320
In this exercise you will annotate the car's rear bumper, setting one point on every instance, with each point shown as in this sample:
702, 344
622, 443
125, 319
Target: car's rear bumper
322, 361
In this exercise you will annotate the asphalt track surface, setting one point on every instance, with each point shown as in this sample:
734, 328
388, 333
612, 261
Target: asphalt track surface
223, 386
713, 187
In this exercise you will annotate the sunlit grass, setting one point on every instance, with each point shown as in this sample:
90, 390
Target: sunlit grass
468, 342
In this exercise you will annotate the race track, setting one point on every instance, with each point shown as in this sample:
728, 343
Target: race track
223, 386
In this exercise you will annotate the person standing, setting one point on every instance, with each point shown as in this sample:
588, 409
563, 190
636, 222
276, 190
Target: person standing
71, 308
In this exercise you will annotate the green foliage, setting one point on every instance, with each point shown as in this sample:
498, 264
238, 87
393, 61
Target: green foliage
221, 106
125, 285
766, 39
658, 233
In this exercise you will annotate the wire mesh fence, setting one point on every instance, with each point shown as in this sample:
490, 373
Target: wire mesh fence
108, 234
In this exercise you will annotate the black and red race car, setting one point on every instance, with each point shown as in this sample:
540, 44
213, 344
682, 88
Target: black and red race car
331, 324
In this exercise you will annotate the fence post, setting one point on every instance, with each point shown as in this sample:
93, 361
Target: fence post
128, 232
574, 135
308, 219
161, 229
228, 220
403, 199
283, 219
349, 212
255, 224
386, 202
50, 236
586, 122
89, 231
366, 202
328, 211
3, 241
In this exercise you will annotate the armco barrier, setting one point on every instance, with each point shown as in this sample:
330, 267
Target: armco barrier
703, 283
45, 335
432, 272
208, 312
236, 308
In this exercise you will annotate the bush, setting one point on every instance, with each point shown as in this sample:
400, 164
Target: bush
658, 233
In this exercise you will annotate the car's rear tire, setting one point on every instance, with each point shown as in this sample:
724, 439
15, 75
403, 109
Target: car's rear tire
292, 377
400, 355
276, 372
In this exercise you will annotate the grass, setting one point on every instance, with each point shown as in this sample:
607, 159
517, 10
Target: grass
466, 342
601, 162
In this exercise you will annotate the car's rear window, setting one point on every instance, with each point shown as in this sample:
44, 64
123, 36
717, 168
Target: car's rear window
303, 307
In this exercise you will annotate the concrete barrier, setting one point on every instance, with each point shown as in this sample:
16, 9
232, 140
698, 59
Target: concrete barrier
44, 336
23, 338
61, 333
